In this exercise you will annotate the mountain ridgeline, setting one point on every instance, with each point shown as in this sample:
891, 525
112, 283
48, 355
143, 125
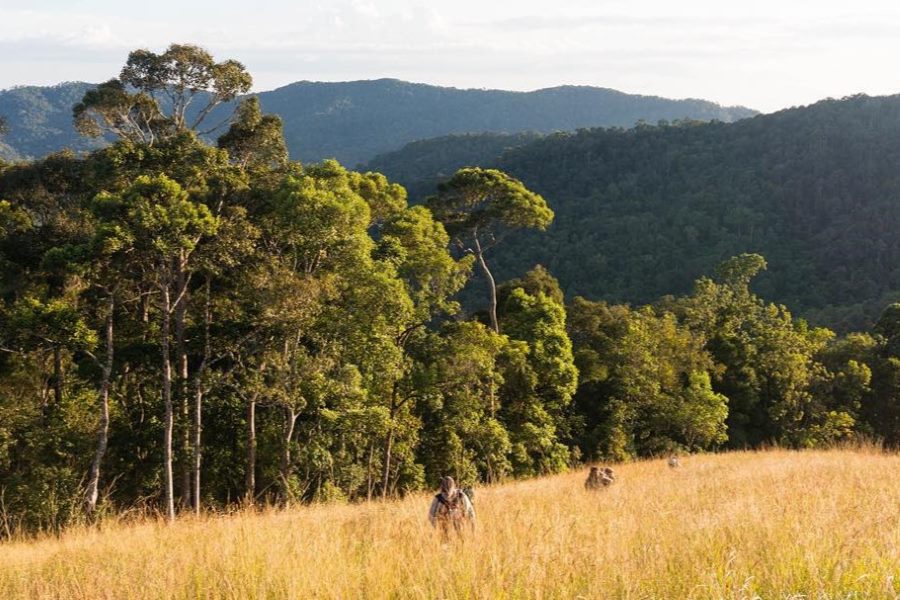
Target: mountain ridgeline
355, 121
641, 213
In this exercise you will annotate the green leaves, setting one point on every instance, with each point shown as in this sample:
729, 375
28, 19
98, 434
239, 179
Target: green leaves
321, 219
110, 108
739, 270
56, 321
155, 215
13, 219
418, 246
164, 218
489, 201
255, 140
646, 387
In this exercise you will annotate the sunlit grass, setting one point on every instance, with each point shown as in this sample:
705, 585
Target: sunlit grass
773, 524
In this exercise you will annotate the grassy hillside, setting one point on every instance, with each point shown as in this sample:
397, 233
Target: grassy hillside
354, 121
642, 213
744, 525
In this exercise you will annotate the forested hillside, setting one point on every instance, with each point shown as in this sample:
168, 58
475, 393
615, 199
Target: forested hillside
39, 120
641, 213
354, 121
422, 165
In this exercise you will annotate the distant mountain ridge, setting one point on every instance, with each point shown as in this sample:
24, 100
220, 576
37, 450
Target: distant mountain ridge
357, 120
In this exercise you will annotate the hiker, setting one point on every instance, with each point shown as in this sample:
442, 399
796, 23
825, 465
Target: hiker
598, 478
451, 508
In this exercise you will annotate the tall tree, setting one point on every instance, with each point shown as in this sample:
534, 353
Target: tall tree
540, 379
480, 206
459, 376
644, 383
153, 96
417, 246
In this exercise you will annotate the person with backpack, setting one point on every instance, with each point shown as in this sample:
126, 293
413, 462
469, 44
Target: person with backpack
451, 509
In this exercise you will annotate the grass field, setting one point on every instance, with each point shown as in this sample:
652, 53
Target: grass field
776, 524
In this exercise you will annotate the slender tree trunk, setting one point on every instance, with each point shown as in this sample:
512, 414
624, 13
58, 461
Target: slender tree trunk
386, 475
389, 444
167, 400
290, 419
198, 408
369, 479
93, 484
491, 284
250, 476
198, 401
180, 315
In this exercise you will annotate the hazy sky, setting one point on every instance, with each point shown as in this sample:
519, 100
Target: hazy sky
766, 54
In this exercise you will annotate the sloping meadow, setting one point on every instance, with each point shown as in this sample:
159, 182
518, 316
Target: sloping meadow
773, 524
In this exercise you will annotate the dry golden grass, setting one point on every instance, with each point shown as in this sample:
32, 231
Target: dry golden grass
773, 524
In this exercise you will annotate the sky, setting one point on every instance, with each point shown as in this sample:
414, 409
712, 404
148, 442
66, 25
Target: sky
765, 54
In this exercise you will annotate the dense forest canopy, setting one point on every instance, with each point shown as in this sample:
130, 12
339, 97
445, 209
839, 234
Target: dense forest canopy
354, 121
186, 326
644, 212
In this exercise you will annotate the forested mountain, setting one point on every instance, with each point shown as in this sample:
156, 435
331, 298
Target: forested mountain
423, 164
354, 121
641, 213
40, 120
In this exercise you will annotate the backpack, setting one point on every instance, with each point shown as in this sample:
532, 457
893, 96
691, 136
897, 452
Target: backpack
454, 509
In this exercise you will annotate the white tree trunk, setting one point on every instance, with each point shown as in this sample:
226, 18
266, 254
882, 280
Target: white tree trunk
93, 484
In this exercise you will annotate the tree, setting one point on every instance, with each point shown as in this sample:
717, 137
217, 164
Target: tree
841, 391
98, 262
165, 87
111, 109
459, 378
343, 304
540, 379
479, 206
537, 280
882, 411
254, 139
